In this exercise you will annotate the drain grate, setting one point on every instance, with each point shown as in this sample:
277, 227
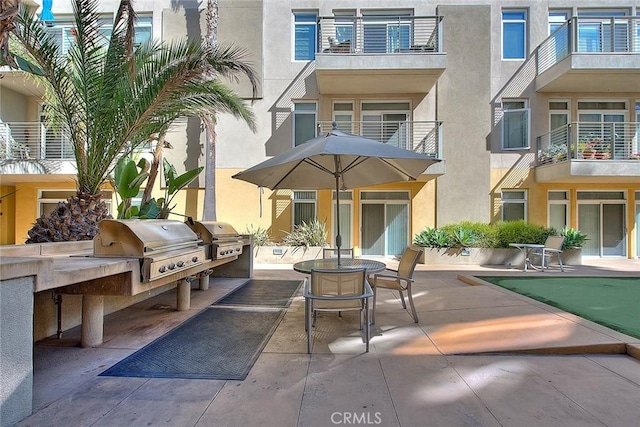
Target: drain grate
160, 307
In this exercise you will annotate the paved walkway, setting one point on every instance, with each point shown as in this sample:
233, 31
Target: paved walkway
459, 366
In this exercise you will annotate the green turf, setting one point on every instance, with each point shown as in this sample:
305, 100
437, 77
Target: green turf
610, 301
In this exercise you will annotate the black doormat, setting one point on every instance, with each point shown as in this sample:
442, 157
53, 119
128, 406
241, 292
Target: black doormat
219, 343
270, 293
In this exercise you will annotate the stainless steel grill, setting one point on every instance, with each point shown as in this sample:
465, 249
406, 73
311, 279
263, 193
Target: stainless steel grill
164, 247
222, 239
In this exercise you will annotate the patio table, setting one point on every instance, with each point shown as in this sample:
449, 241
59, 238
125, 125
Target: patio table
526, 249
370, 265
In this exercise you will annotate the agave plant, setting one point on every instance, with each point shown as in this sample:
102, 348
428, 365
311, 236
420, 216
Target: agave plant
111, 98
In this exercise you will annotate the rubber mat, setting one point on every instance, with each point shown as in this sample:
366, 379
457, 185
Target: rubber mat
270, 293
219, 343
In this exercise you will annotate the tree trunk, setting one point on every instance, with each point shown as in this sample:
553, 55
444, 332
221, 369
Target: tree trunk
209, 209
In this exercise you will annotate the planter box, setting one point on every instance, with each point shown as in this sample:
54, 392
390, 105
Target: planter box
285, 254
486, 256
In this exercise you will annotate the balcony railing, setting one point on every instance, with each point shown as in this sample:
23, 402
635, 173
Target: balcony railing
420, 136
590, 140
33, 141
589, 35
379, 34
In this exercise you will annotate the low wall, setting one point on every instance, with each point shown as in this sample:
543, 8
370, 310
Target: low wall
486, 256
285, 254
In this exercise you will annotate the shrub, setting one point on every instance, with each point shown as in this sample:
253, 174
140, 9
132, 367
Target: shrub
260, 235
432, 238
573, 238
307, 234
521, 232
475, 234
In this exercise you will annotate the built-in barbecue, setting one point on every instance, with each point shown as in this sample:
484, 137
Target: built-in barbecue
164, 247
221, 238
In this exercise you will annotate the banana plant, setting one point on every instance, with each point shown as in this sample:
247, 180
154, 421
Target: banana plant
127, 180
173, 184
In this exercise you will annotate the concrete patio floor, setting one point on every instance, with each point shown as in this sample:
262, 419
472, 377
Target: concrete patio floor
479, 356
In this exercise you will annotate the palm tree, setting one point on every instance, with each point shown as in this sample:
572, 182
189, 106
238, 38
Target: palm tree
111, 99
209, 205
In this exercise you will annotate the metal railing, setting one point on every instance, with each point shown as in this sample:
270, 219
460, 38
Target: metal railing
33, 141
590, 140
424, 137
379, 34
597, 35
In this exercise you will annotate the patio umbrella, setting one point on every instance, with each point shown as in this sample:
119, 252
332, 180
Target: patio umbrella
337, 160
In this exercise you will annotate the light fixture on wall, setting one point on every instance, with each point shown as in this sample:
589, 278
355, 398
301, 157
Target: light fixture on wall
46, 15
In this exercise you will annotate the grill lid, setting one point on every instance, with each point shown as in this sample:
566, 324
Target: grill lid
213, 231
138, 237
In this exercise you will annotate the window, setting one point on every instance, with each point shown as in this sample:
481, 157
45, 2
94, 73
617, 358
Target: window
304, 207
557, 18
387, 122
48, 199
515, 124
599, 31
558, 209
514, 205
64, 31
305, 36
304, 122
345, 27
514, 29
386, 33
558, 114
343, 116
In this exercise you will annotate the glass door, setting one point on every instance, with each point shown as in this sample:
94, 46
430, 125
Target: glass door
385, 223
346, 219
604, 224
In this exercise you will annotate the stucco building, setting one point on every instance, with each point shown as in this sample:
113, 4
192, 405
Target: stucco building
512, 95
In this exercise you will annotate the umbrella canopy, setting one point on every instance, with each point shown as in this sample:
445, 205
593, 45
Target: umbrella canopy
337, 160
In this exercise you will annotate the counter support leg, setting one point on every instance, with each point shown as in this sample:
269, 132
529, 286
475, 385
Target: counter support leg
203, 282
184, 295
92, 329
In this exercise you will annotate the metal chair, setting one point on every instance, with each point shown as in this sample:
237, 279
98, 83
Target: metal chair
400, 280
552, 247
333, 253
337, 290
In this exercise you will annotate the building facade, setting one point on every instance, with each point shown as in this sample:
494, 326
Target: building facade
534, 107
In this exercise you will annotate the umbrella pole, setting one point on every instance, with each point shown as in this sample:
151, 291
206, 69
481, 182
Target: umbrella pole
338, 236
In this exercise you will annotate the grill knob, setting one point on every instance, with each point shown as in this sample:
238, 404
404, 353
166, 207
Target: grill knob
172, 266
194, 259
180, 264
162, 269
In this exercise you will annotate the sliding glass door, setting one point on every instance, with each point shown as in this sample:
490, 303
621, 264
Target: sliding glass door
385, 223
603, 221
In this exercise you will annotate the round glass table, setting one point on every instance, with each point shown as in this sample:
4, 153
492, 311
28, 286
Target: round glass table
345, 264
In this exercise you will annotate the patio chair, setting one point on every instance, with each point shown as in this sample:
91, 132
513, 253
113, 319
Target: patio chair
337, 290
552, 247
400, 280
333, 252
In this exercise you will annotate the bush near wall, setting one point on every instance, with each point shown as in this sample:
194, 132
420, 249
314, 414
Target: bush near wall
468, 234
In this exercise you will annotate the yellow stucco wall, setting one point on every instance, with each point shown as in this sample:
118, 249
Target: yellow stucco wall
7, 216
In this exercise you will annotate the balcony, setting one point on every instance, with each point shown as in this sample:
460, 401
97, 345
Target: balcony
589, 152
29, 148
390, 54
420, 136
590, 54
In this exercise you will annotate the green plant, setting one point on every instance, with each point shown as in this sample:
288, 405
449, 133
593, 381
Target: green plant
432, 238
127, 181
307, 234
110, 95
173, 183
463, 238
260, 235
573, 238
